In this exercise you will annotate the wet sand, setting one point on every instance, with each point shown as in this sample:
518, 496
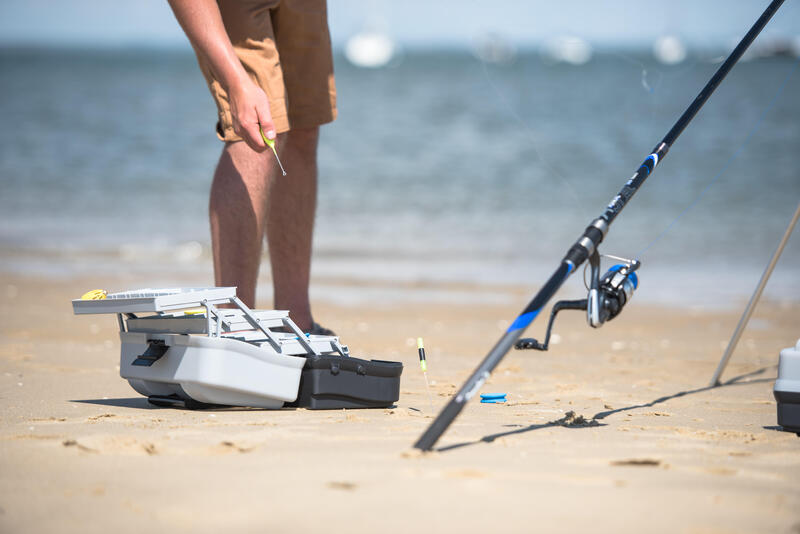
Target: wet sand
657, 450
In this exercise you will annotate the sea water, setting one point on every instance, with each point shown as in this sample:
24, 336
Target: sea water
440, 169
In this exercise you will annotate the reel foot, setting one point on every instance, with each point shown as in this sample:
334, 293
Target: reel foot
528, 343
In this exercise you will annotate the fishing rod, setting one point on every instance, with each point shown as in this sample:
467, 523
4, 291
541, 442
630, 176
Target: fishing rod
607, 295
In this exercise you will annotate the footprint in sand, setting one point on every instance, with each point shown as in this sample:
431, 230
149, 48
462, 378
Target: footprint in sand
342, 485
79, 446
101, 416
637, 462
229, 446
121, 445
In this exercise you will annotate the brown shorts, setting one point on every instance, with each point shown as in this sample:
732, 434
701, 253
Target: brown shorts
285, 46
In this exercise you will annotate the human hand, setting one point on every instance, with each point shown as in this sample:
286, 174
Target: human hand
250, 112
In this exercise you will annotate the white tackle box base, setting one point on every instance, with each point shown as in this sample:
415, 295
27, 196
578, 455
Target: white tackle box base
177, 344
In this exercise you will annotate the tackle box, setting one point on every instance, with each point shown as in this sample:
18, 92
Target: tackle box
329, 382
787, 389
181, 347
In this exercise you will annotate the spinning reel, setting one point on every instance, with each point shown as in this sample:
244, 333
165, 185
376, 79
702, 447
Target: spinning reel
607, 296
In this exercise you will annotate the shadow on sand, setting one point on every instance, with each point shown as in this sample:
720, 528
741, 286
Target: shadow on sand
130, 402
598, 417
142, 403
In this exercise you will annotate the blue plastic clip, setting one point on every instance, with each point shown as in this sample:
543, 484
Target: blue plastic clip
493, 398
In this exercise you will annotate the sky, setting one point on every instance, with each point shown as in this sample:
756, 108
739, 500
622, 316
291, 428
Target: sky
415, 23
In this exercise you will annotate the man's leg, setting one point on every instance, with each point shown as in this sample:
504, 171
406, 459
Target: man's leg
290, 223
238, 212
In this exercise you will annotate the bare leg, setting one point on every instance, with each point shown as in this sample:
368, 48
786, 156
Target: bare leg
237, 211
290, 224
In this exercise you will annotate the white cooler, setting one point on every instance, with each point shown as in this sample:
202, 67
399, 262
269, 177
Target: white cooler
787, 389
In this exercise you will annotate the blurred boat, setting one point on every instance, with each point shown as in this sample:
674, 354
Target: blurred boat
778, 47
370, 49
669, 50
494, 48
568, 49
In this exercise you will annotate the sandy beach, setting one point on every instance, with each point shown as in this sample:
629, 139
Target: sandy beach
471, 147
656, 450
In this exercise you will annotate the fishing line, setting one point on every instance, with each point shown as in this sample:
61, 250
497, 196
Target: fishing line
644, 74
649, 87
531, 136
734, 156
650, 82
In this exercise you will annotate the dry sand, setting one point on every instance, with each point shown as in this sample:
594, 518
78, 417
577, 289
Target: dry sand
80, 451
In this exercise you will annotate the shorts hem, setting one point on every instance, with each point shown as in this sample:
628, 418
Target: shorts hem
311, 120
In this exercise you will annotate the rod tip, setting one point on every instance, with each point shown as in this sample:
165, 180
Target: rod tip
419, 343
